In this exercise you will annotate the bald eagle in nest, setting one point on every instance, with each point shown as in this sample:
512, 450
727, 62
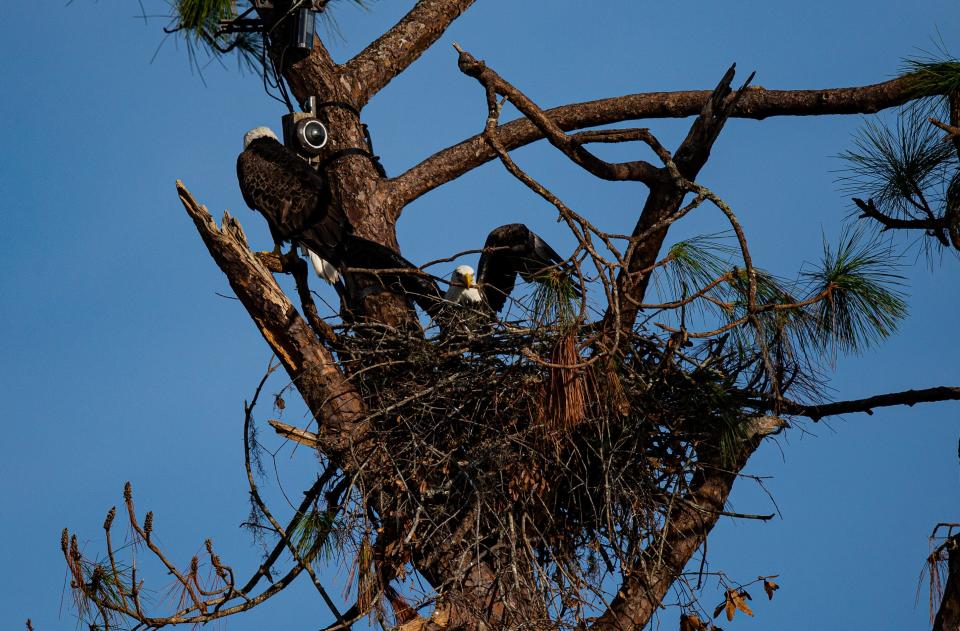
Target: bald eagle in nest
509, 251
295, 200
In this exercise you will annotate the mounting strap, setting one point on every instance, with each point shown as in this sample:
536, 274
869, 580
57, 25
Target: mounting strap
352, 152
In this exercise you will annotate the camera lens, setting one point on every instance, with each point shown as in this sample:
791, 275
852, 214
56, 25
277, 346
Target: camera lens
312, 133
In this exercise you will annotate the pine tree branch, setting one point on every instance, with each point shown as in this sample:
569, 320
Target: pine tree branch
869, 210
667, 194
571, 146
867, 405
687, 527
758, 103
391, 53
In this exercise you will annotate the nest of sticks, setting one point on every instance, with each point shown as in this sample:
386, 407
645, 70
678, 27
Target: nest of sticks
518, 443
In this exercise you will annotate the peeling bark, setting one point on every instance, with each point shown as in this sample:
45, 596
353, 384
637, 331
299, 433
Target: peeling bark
333, 400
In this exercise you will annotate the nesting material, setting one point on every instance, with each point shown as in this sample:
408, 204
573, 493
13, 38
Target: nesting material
565, 389
556, 463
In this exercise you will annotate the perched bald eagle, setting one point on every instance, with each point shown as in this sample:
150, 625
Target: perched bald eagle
295, 200
463, 288
508, 251
291, 195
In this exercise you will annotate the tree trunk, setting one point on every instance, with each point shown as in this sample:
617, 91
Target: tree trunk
948, 616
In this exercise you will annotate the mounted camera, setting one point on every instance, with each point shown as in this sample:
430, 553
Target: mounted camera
291, 23
303, 133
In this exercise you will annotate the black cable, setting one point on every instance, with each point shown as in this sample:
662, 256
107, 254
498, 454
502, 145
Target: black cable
354, 151
366, 135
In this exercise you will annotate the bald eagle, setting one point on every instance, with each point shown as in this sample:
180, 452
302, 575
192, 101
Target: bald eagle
463, 288
296, 202
291, 195
509, 251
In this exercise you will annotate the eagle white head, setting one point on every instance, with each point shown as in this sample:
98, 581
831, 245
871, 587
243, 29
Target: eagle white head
258, 132
463, 288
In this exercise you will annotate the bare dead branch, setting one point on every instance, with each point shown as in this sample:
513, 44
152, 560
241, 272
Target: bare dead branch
758, 103
867, 405
297, 435
570, 146
284, 534
310, 365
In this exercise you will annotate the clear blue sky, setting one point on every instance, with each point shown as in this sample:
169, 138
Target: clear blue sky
120, 362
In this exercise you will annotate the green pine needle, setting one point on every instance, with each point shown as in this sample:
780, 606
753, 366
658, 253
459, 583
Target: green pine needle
932, 77
198, 22
555, 300
204, 15
698, 261
895, 166
779, 340
311, 536
693, 264
864, 305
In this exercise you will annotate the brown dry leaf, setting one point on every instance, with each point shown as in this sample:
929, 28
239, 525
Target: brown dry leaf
729, 606
738, 600
417, 624
441, 616
692, 622
770, 587
279, 403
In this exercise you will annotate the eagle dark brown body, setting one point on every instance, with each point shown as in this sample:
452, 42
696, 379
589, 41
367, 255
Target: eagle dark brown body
292, 196
295, 200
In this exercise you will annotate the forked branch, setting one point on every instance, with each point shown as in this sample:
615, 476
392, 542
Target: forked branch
570, 146
758, 103
685, 530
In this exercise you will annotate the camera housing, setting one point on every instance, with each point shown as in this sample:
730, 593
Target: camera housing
304, 133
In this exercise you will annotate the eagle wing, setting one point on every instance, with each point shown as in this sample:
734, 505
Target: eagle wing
365, 254
292, 196
510, 250
295, 200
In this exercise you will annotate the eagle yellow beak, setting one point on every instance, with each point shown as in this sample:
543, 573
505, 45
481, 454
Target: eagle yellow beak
469, 279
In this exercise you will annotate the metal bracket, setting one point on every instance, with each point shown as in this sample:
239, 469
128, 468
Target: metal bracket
302, 32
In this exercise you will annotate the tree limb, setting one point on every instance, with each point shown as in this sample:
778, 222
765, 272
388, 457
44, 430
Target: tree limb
667, 194
570, 146
687, 526
870, 210
312, 367
907, 397
948, 614
391, 53
758, 103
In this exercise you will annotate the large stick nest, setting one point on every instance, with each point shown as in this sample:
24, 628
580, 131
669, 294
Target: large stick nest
515, 443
